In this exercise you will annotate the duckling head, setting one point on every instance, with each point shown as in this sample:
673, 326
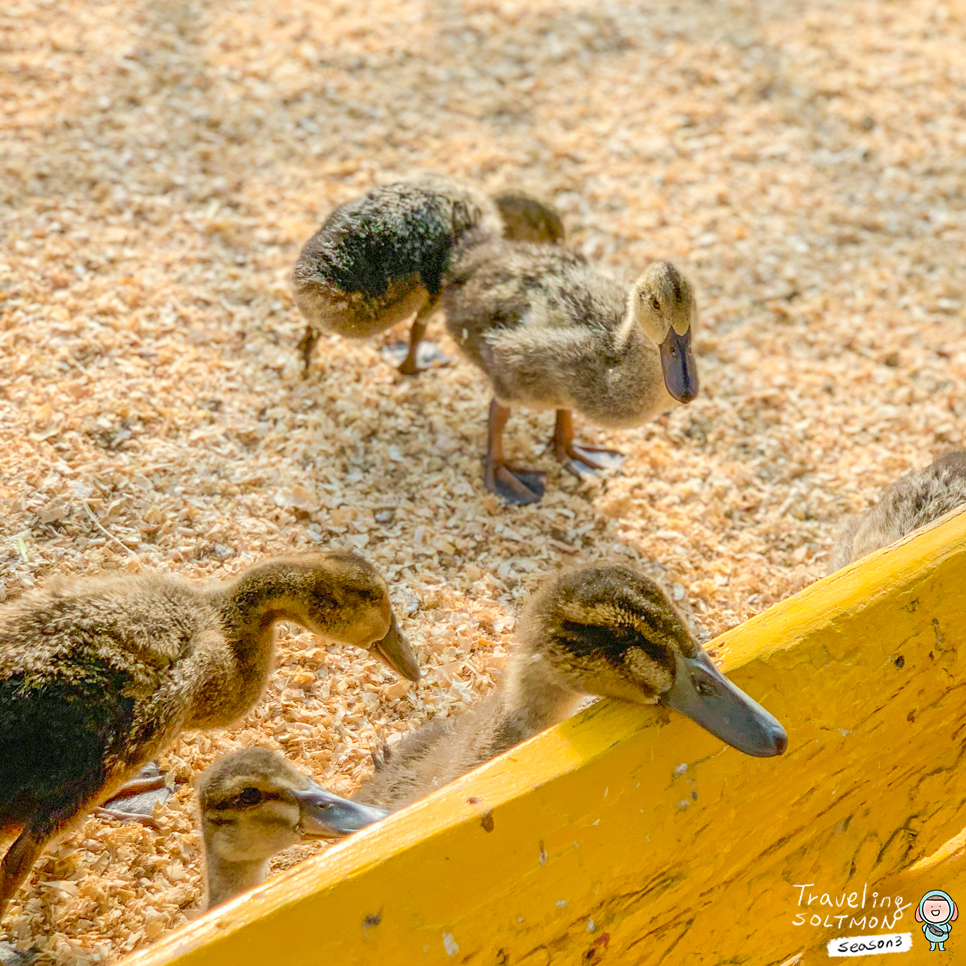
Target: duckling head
342, 597
610, 631
663, 303
255, 803
526, 219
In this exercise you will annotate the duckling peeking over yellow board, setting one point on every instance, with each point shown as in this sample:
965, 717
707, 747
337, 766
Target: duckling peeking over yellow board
599, 630
913, 501
254, 803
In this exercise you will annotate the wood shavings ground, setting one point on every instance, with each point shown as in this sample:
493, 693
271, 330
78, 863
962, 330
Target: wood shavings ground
162, 165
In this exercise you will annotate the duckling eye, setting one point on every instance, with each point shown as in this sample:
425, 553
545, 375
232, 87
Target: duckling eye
656, 305
250, 796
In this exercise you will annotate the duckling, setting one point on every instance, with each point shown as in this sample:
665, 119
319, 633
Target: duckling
598, 630
552, 332
100, 675
911, 502
255, 803
379, 259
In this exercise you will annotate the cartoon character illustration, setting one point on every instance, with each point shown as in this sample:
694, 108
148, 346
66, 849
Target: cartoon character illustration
936, 911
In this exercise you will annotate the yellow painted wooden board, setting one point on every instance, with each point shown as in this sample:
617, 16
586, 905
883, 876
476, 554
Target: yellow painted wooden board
631, 836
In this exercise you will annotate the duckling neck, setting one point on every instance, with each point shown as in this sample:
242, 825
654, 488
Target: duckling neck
228, 879
535, 696
249, 607
260, 596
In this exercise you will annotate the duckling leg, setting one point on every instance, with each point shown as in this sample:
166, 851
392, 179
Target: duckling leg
515, 485
138, 786
416, 361
307, 347
579, 458
19, 860
122, 816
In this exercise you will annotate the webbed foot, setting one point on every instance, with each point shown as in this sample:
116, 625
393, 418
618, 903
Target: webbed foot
139, 796
515, 485
582, 460
426, 356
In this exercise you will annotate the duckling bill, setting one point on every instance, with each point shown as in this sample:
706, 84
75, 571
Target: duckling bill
703, 694
601, 630
678, 366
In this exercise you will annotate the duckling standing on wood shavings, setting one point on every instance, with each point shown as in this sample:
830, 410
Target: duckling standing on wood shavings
914, 500
254, 803
602, 630
379, 259
551, 331
100, 675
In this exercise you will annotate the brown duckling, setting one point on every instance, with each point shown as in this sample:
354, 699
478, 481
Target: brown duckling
100, 675
254, 803
380, 258
911, 502
551, 331
600, 630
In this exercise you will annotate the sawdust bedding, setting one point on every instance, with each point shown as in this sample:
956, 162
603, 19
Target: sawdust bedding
161, 166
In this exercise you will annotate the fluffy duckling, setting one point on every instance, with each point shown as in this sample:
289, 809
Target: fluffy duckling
552, 332
254, 803
911, 502
380, 259
602, 630
100, 675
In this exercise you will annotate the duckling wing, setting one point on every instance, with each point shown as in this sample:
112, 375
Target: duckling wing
532, 317
395, 232
60, 743
85, 688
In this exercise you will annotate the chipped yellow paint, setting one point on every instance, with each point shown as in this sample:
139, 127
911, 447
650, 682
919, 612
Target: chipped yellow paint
629, 835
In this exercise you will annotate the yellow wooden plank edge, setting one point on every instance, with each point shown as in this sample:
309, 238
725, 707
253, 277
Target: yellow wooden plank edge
630, 835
